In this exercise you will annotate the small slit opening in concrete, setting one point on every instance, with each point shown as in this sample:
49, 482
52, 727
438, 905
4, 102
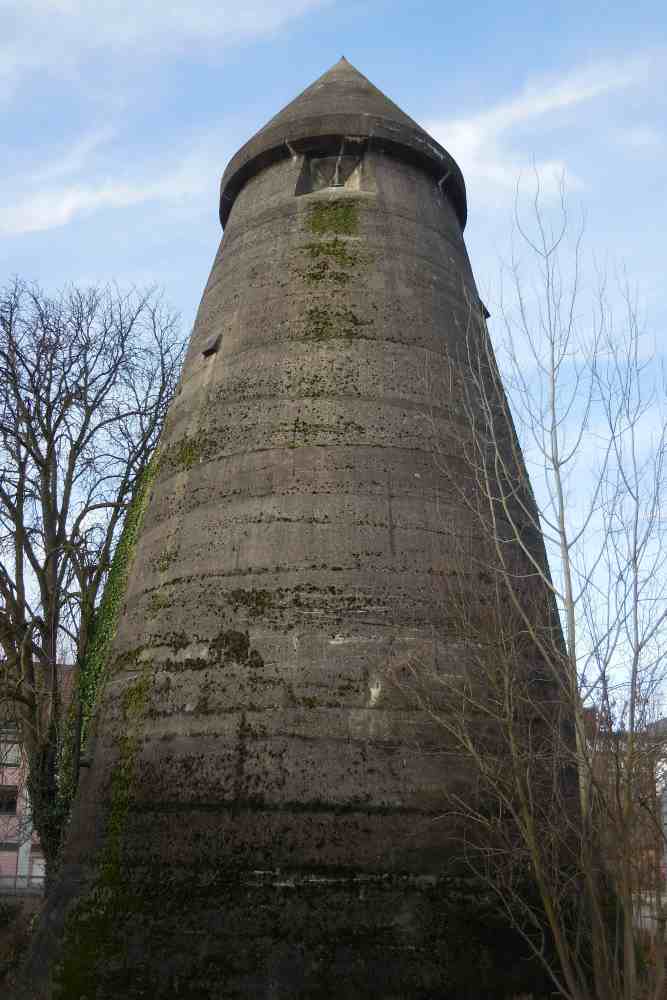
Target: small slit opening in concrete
211, 346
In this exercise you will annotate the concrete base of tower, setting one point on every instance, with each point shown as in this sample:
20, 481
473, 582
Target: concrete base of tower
270, 935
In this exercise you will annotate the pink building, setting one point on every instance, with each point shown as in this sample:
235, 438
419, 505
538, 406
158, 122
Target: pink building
21, 858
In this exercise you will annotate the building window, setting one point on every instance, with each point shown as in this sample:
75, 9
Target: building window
10, 755
9, 796
10, 752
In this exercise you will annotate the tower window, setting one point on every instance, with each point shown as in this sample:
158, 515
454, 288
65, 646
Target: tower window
335, 170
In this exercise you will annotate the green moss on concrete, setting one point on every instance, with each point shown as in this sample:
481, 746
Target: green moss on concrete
188, 451
340, 252
90, 932
325, 322
309, 432
159, 601
134, 703
256, 602
165, 559
319, 323
232, 644
105, 622
340, 216
183, 454
332, 261
94, 928
121, 788
134, 699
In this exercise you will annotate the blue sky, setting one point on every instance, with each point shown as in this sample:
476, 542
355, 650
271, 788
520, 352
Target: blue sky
118, 117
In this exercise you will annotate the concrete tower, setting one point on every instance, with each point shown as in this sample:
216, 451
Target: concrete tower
261, 817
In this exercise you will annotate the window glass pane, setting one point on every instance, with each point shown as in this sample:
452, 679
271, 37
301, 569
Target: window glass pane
8, 799
9, 754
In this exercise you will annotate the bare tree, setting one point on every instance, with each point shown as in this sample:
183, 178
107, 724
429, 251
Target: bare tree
563, 662
85, 379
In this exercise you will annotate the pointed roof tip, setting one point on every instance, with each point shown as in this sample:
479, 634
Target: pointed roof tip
342, 89
342, 102
343, 63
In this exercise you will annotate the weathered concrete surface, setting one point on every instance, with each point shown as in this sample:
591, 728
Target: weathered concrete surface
265, 810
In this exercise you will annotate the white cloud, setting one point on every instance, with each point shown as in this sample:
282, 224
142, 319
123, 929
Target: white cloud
49, 209
57, 36
75, 157
54, 205
162, 24
482, 142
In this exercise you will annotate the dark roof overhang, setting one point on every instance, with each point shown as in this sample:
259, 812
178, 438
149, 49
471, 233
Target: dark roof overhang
294, 130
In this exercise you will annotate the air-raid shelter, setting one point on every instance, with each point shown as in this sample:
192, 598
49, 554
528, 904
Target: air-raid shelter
265, 814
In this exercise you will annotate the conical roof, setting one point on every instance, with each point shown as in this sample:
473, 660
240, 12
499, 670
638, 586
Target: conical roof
342, 89
342, 102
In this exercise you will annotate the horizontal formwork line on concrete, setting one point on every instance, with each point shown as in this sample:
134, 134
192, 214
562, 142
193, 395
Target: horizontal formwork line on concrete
396, 526
431, 496
366, 236
260, 491
423, 272
344, 516
255, 805
431, 453
428, 574
260, 347
299, 572
305, 617
245, 261
209, 448
401, 563
394, 402
305, 877
287, 403
405, 747
374, 566
294, 286
295, 713
301, 704
310, 623
424, 631
434, 411
352, 447
454, 294
308, 876
264, 346
386, 350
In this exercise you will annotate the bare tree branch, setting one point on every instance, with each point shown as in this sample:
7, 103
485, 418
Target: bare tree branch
85, 379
